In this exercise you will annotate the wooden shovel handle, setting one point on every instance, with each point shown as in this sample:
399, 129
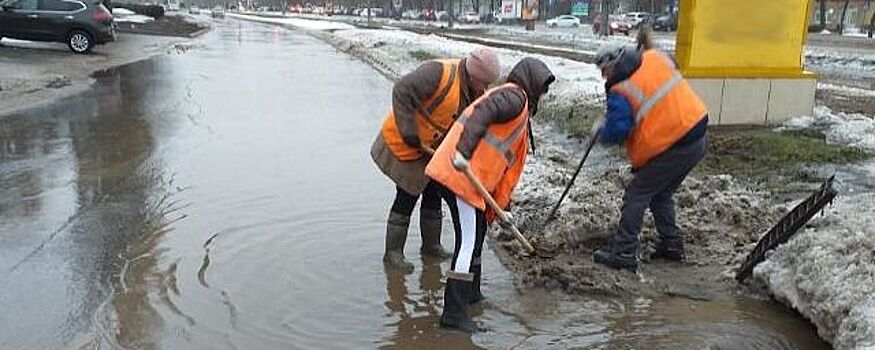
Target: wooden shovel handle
498, 211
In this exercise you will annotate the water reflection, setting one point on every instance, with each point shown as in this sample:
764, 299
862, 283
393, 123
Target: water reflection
417, 325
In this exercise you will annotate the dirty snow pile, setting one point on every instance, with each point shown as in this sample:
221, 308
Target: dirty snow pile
581, 38
123, 15
393, 51
827, 271
294, 22
840, 59
717, 234
840, 128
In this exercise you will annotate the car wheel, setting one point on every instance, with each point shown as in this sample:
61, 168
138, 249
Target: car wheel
575, 25
79, 42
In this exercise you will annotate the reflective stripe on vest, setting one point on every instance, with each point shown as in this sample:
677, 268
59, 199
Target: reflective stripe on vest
665, 107
644, 102
434, 116
497, 160
439, 98
647, 103
502, 146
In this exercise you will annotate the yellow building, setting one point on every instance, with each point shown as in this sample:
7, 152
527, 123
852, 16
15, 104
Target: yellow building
747, 65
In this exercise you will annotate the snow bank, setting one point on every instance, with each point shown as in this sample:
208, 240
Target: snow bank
577, 82
841, 128
118, 11
827, 271
840, 59
123, 15
295, 22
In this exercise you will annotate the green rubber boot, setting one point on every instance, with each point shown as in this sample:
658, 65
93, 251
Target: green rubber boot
396, 236
430, 229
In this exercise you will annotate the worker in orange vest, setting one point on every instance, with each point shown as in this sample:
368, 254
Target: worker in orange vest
663, 123
425, 103
490, 140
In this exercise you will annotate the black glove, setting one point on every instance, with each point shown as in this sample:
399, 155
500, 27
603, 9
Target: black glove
412, 140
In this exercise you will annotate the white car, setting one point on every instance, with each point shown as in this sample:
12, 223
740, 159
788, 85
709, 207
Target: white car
564, 21
635, 18
471, 17
375, 12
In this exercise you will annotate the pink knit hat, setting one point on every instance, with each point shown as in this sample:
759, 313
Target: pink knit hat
482, 64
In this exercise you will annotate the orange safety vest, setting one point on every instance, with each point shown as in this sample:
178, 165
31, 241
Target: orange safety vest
497, 160
665, 107
434, 116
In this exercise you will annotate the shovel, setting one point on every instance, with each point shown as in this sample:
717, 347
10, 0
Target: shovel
592, 142
502, 215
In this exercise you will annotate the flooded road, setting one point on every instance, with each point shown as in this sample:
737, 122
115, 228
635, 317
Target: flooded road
223, 198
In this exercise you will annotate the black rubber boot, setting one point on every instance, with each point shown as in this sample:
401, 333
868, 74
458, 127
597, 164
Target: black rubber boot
396, 236
476, 270
670, 250
457, 295
607, 257
430, 229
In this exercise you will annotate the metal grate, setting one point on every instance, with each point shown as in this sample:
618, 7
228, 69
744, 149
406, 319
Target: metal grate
787, 227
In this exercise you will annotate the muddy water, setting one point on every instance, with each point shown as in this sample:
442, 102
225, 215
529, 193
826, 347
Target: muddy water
223, 198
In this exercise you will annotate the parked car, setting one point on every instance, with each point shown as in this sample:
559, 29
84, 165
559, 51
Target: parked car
375, 12
494, 17
564, 21
81, 25
218, 12
667, 23
429, 15
442, 16
194, 10
470, 17
636, 18
409, 14
617, 25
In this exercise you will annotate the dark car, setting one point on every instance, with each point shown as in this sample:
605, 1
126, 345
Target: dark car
79, 24
667, 23
618, 25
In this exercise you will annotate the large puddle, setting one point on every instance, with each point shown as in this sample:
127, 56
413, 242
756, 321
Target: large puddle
224, 198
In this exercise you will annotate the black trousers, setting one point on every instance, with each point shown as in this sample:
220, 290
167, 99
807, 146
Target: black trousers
405, 202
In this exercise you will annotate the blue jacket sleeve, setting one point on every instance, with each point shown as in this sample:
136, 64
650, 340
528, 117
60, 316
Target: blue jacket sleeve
619, 120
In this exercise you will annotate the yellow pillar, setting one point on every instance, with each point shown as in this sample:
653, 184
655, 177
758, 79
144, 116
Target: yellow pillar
745, 58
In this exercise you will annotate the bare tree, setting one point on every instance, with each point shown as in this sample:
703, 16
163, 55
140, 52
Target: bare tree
450, 12
871, 24
841, 26
822, 14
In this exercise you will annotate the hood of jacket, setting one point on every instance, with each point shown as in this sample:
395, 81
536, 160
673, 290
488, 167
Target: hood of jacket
534, 77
